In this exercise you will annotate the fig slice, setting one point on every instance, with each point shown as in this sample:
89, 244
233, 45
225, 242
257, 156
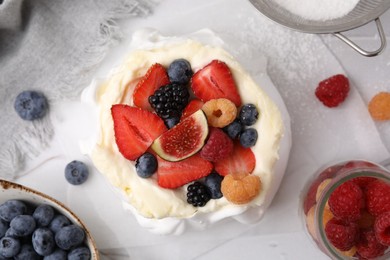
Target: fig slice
184, 139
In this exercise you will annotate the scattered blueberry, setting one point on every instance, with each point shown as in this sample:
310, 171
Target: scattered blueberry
79, 253
146, 165
69, 236
248, 137
27, 252
58, 222
233, 129
171, 122
23, 225
179, 71
248, 114
12, 208
76, 172
213, 182
3, 227
58, 254
9, 246
31, 105
43, 241
43, 215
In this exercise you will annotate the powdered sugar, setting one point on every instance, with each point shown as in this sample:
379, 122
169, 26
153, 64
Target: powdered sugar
319, 10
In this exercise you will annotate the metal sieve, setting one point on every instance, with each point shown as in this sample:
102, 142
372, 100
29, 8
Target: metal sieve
364, 12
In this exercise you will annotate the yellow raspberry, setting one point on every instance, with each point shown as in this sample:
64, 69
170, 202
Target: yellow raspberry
220, 112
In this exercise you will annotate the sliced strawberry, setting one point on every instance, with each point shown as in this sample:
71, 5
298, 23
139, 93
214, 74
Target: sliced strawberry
135, 129
155, 77
172, 175
215, 80
192, 107
242, 160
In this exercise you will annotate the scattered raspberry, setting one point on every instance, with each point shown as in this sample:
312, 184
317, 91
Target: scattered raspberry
220, 112
342, 235
368, 246
379, 106
382, 228
346, 201
218, 146
333, 91
377, 197
240, 188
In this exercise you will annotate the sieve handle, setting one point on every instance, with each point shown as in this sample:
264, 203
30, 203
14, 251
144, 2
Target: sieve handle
358, 48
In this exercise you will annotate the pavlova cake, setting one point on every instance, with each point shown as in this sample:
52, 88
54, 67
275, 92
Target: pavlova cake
186, 135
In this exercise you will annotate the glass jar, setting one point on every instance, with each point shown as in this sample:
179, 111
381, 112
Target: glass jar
315, 208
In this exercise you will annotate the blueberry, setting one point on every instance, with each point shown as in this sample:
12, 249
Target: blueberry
31, 105
146, 165
58, 254
23, 225
43, 241
171, 122
213, 182
76, 172
58, 222
43, 215
27, 252
12, 208
179, 71
69, 236
248, 114
3, 227
9, 246
233, 129
79, 253
248, 137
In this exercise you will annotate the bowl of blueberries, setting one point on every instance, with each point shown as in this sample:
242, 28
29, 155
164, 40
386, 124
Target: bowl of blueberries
35, 226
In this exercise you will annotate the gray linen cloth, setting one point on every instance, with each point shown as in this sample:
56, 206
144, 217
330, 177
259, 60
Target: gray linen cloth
51, 46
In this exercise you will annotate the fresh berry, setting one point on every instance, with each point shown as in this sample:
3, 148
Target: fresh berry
378, 197
379, 106
233, 129
213, 182
382, 228
242, 160
248, 114
58, 222
198, 194
215, 80
169, 100
219, 112
368, 247
333, 91
146, 165
76, 172
193, 106
28, 252
155, 77
179, 71
23, 225
69, 236
248, 137
79, 253
57, 254
240, 188
135, 130
172, 175
9, 247
341, 234
43, 241
12, 208
346, 201
217, 147
31, 105
43, 215
171, 122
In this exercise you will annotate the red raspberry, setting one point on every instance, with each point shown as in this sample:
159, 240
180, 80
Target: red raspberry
368, 246
218, 146
382, 228
378, 197
346, 201
341, 234
333, 91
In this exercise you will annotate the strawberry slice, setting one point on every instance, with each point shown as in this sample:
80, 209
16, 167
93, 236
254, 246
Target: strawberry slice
215, 80
135, 129
192, 107
172, 175
155, 77
242, 160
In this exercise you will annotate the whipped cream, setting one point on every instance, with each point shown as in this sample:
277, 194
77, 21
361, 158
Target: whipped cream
165, 210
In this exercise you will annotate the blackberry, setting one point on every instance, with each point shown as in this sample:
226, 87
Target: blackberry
198, 194
169, 100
